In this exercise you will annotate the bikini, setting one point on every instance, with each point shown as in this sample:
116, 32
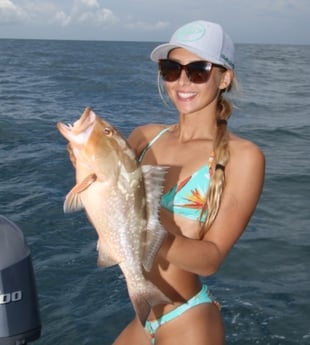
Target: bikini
203, 296
188, 196
186, 199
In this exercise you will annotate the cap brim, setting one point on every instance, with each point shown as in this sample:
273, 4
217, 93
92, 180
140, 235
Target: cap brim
162, 51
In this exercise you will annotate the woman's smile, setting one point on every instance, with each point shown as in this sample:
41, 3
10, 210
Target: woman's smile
186, 96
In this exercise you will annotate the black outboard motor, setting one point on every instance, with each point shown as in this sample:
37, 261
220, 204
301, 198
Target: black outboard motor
19, 309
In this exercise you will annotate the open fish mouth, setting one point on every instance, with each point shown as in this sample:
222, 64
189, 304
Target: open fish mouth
80, 130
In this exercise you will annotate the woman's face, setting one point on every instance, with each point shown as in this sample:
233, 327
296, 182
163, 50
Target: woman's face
189, 97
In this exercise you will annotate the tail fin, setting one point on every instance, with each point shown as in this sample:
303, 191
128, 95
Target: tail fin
144, 298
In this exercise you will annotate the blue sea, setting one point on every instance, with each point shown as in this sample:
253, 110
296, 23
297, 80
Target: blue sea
264, 284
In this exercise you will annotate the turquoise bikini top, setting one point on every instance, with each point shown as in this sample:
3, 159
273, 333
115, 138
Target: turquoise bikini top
187, 197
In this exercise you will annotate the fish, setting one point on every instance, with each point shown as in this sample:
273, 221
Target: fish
121, 199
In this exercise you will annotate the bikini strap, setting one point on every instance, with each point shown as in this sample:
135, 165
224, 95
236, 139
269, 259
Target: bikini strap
149, 144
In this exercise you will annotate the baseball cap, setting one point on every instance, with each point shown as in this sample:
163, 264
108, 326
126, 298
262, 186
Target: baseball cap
205, 39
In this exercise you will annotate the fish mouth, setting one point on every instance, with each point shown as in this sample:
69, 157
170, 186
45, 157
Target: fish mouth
80, 130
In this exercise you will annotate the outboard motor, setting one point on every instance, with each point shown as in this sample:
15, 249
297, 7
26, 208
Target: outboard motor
19, 309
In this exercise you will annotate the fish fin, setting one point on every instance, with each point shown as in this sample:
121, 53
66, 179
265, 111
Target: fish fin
154, 240
83, 185
73, 201
146, 297
104, 259
154, 177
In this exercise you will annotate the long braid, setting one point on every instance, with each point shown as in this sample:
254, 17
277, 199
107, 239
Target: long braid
221, 158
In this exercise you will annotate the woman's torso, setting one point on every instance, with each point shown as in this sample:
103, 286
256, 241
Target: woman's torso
185, 159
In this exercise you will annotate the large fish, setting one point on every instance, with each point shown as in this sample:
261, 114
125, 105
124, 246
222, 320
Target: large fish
121, 199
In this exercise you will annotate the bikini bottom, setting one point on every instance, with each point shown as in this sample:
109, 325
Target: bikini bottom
203, 296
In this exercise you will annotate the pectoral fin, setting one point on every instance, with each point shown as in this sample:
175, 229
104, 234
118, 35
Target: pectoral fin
73, 200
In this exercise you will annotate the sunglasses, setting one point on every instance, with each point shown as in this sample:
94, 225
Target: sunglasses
197, 72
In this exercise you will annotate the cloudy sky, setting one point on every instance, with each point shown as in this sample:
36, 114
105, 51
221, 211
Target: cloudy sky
247, 21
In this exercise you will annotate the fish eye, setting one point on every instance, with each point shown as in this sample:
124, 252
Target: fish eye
108, 131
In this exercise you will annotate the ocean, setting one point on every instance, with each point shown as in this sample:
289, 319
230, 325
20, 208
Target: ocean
263, 285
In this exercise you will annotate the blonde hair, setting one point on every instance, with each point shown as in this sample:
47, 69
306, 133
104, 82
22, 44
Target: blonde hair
221, 158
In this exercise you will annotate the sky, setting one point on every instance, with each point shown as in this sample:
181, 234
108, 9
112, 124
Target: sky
246, 21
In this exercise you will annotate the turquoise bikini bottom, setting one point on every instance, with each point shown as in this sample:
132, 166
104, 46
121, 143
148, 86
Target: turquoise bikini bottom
203, 296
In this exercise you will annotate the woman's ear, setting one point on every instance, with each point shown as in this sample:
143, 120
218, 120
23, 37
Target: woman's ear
227, 79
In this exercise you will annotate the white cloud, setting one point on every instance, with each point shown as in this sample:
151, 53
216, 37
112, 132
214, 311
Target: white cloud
9, 12
89, 11
6, 4
86, 11
61, 18
35, 11
106, 15
90, 3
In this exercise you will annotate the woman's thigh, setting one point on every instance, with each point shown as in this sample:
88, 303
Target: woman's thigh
133, 334
201, 325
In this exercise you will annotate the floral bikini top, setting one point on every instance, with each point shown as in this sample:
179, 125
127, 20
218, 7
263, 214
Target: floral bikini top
187, 197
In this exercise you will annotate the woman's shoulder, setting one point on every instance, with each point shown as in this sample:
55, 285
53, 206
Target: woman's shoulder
245, 152
243, 145
142, 135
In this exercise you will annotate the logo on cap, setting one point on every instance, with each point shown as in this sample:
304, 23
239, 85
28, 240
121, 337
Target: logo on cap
190, 33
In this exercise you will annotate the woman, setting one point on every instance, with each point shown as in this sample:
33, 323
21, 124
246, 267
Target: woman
212, 186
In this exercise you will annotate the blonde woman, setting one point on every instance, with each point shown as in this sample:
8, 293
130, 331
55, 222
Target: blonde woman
212, 187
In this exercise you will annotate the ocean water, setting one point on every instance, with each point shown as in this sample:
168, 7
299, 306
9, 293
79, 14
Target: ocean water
264, 284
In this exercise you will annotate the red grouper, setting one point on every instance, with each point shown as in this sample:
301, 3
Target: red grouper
121, 199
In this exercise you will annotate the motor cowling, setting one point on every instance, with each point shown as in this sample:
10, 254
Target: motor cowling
19, 308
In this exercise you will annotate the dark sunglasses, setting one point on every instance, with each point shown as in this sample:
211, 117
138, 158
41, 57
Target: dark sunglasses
197, 72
